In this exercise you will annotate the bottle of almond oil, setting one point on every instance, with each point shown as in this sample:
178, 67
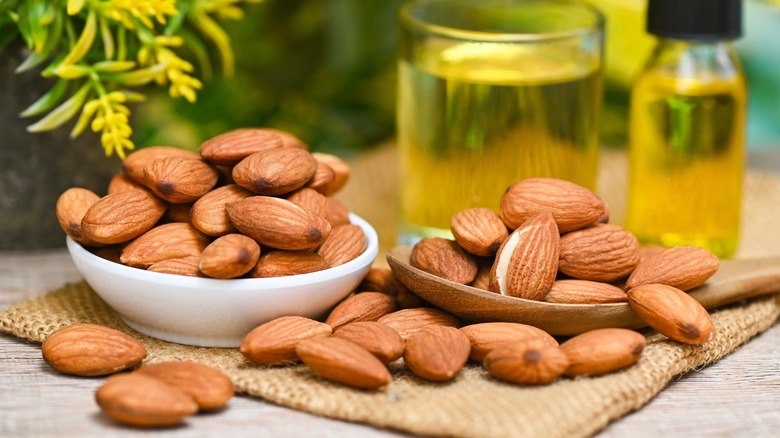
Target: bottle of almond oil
687, 128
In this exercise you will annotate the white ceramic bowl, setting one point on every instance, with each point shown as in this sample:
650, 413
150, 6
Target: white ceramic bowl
212, 312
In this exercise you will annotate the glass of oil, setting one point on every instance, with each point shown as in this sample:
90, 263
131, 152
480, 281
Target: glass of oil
491, 92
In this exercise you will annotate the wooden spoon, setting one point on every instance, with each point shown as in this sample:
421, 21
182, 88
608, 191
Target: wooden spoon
736, 280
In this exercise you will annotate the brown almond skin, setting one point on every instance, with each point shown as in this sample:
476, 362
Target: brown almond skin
340, 169
584, 292
338, 213
178, 213
281, 263
91, 350
572, 206
409, 321
437, 353
121, 183
207, 386
344, 244
275, 171
672, 312
121, 217
187, 266
379, 279
683, 267
602, 350
342, 361
527, 262
140, 400
229, 256
532, 361
167, 241
365, 306
380, 340
133, 165
322, 178
278, 223
487, 336
274, 342
289, 140
231, 147
71, 207
479, 231
311, 200
444, 258
209, 214
180, 180
602, 252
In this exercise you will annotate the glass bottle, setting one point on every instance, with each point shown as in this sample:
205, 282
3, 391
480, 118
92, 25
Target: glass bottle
687, 129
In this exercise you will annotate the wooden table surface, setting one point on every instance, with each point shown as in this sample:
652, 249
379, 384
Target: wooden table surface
739, 396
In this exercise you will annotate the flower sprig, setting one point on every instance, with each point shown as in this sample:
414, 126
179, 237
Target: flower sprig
97, 51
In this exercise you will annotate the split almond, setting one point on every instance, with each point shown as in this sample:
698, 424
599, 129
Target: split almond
437, 353
585, 292
672, 312
409, 321
445, 259
274, 341
478, 230
231, 147
344, 362
207, 386
275, 171
280, 263
380, 340
527, 262
365, 306
487, 336
91, 350
133, 165
278, 223
345, 243
167, 241
602, 252
683, 267
532, 361
121, 217
71, 207
141, 400
602, 350
572, 206
209, 214
180, 180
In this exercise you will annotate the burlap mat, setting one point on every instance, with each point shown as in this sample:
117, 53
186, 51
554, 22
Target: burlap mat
473, 404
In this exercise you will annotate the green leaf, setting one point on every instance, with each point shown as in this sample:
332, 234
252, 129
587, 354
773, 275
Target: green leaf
47, 101
39, 29
62, 113
109, 47
84, 43
24, 24
75, 6
71, 72
137, 77
200, 51
113, 66
53, 40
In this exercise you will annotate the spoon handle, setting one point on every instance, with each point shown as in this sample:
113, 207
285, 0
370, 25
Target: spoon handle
738, 280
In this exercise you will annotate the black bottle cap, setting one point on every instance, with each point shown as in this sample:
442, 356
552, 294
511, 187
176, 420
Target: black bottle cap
695, 19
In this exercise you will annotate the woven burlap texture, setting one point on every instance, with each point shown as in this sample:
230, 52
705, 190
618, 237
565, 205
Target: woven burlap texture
474, 404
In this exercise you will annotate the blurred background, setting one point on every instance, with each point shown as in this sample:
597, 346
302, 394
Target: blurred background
324, 70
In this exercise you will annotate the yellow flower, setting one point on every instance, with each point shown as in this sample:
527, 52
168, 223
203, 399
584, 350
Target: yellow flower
143, 10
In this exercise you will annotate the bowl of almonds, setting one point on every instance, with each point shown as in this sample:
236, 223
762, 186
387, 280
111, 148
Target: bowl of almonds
200, 248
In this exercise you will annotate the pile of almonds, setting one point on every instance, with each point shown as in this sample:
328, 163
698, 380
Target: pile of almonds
553, 242
251, 203
162, 394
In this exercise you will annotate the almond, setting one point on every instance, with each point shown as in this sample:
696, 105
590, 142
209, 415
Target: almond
121, 183
91, 350
311, 200
168, 241
209, 214
532, 361
479, 231
527, 262
231, 147
274, 341
365, 306
683, 267
178, 213
672, 312
487, 336
444, 258
437, 353
322, 178
275, 171
121, 217
207, 386
71, 207
585, 292
140, 400
289, 140
602, 252
187, 266
229, 256
408, 321
282, 263
133, 165
380, 340
341, 171
602, 350
338, 214
278, 223
379, 279
482, 279
572, 206
345, 243
344, 362
112, 253
180, 180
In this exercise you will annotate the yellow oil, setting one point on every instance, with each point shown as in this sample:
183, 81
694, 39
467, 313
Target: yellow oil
686, 161
476, 117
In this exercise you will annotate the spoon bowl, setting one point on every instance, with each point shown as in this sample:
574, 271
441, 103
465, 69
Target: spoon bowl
736, 280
